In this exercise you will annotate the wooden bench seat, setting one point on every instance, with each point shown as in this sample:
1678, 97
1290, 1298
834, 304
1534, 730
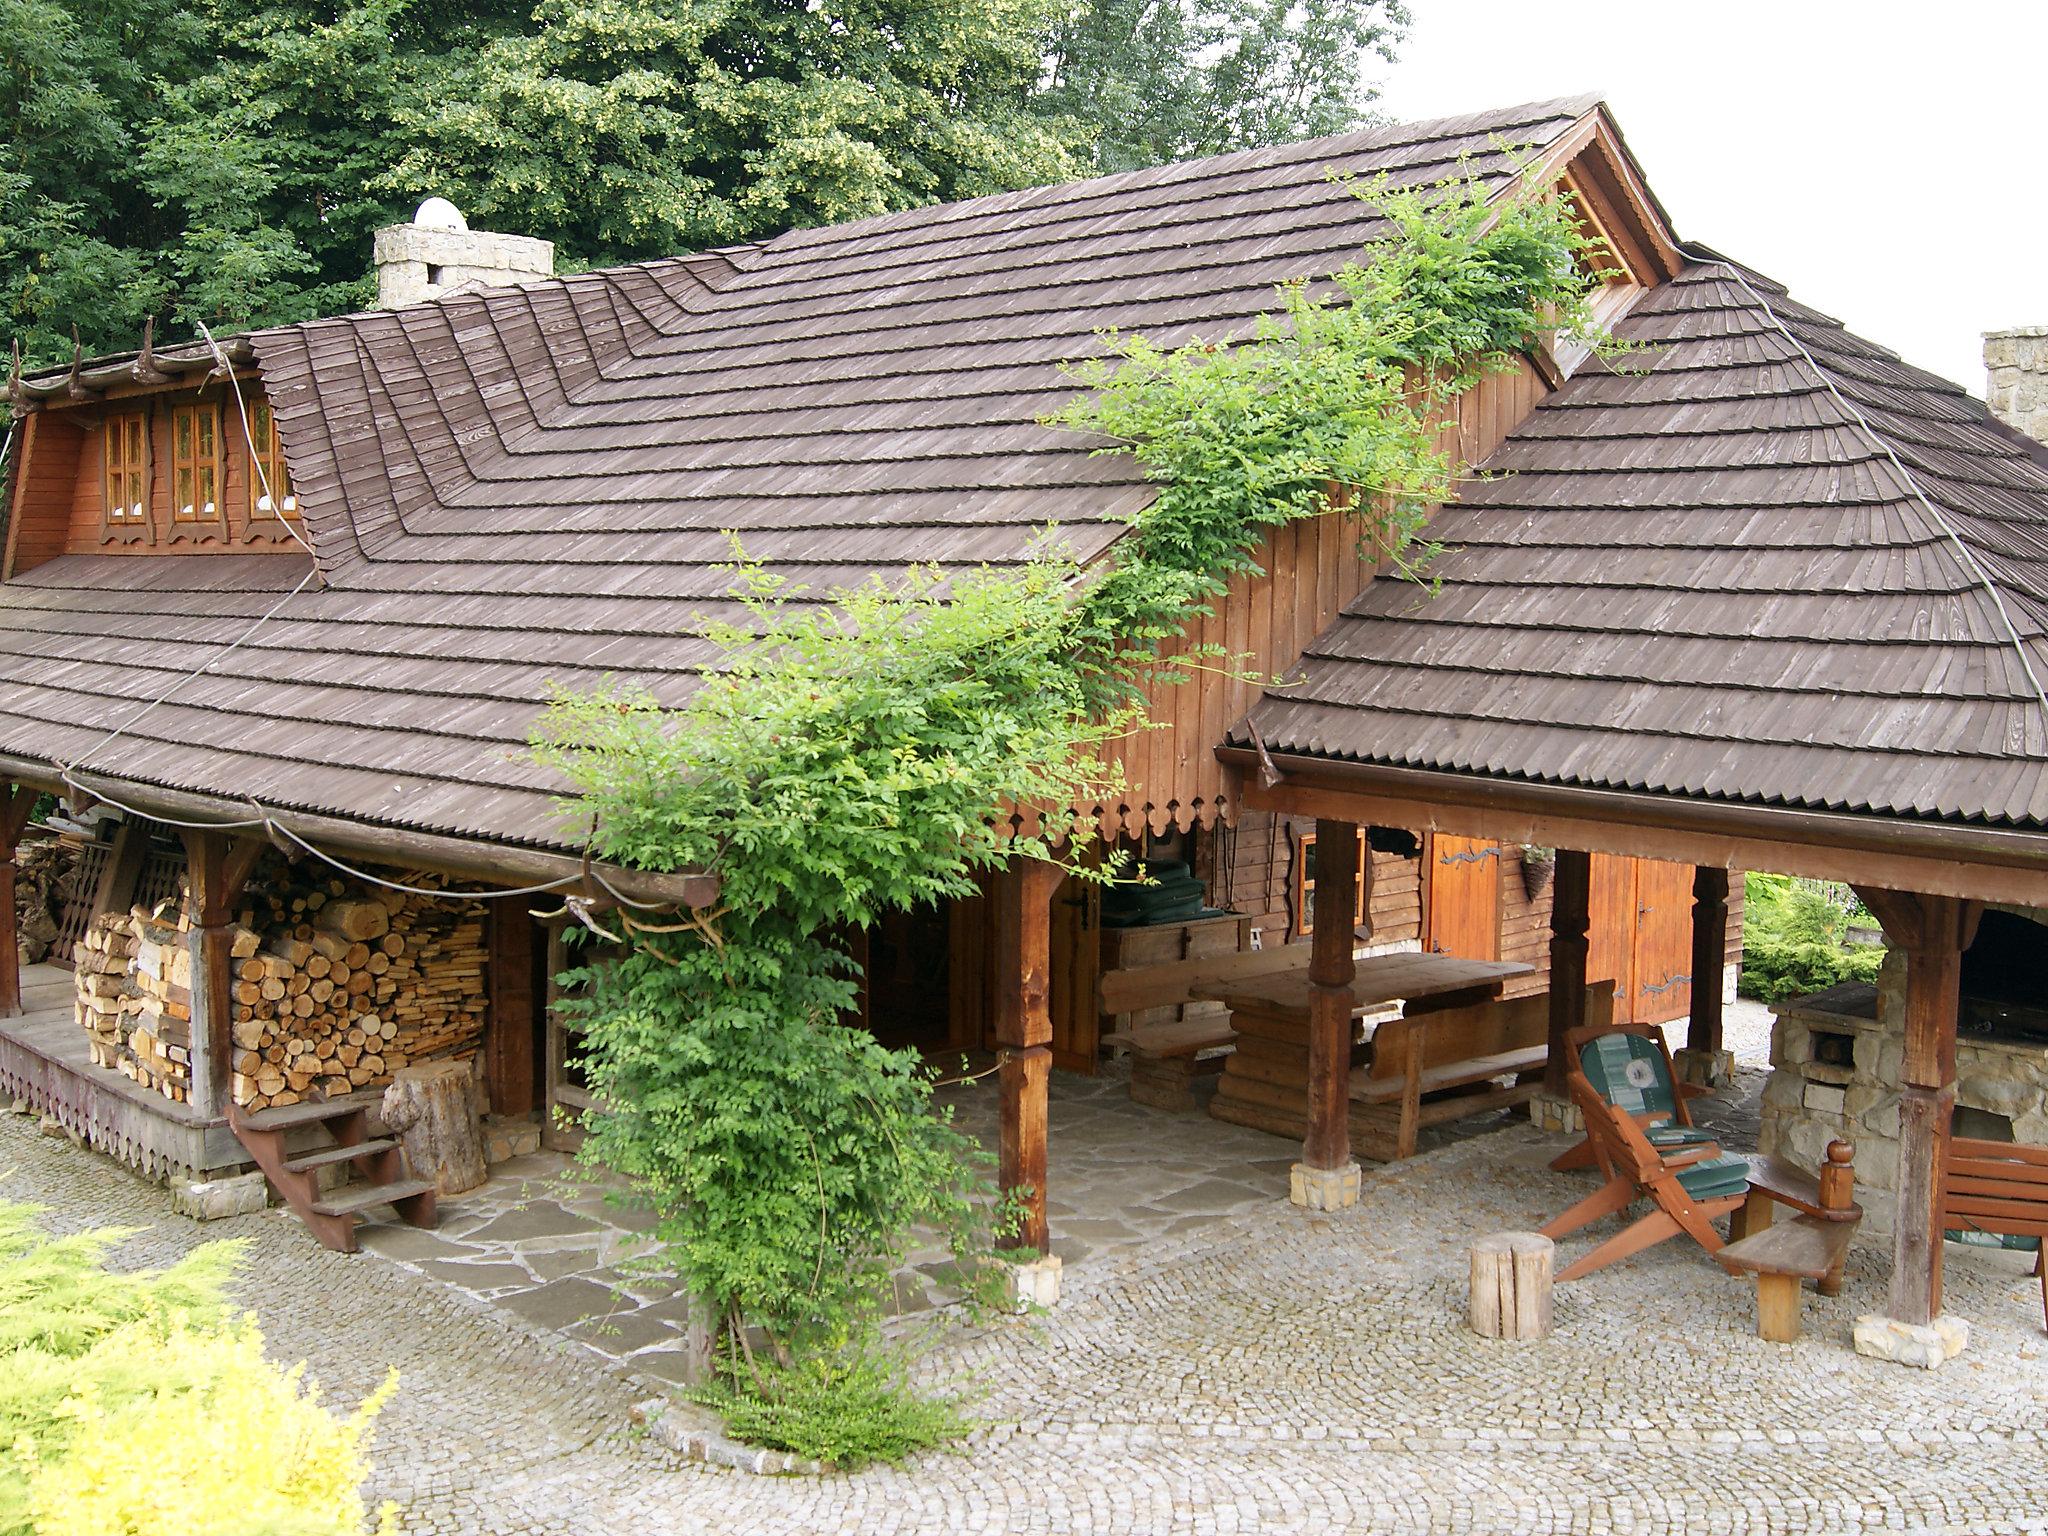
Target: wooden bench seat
1167, 1057
1427, 1068
1811, 1246
1806, 1248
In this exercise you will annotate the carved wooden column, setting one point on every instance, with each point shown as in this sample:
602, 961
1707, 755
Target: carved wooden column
1023, 1031
1326, 1178
1933, 931
217, 866
1570, 896
1703, 1060
14, 809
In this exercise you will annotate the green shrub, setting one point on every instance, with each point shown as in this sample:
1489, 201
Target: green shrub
129, 1404
846, 1410
1795, 939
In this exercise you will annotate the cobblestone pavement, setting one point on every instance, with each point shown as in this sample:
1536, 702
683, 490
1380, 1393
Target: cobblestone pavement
1267, 1370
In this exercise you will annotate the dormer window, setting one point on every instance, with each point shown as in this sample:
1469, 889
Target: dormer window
126, 439
270, 478
195, 463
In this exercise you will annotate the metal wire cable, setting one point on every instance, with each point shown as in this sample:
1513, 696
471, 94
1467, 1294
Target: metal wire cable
249, 436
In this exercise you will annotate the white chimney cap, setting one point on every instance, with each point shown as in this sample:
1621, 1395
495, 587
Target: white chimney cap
439, 213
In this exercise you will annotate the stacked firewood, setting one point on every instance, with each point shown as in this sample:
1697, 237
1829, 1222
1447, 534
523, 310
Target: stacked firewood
107, 997
352, 984
159, 1046
44, 868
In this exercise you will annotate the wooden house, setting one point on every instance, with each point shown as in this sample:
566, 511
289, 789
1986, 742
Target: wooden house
464, 501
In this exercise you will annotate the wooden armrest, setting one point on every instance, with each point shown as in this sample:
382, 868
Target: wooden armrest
1685, 1157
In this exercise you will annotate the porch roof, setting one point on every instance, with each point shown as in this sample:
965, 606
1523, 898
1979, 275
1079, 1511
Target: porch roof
1765, 563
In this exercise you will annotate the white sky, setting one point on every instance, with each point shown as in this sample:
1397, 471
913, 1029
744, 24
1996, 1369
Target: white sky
1887, 162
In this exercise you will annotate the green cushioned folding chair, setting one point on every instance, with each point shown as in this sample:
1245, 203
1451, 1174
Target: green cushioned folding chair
1689, 1184
1629, 1066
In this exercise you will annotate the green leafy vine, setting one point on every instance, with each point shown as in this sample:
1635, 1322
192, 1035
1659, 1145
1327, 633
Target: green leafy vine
864, 754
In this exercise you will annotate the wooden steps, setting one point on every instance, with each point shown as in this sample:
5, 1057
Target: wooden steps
331, 1215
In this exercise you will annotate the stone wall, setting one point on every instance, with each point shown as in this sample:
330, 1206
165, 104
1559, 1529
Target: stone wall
1838, 1056
416, 262
2016, 368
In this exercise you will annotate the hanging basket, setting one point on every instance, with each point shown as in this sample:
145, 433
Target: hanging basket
1538, 866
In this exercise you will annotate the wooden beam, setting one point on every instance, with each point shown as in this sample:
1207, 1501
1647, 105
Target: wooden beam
217, 867
509, 1032
1709, 957
1022, 899
14, 813
1943, 859
1571, 898
1331, 969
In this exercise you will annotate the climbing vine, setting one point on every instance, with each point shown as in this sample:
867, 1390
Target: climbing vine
861, 754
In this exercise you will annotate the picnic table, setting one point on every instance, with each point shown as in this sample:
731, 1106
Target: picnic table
1265, 1079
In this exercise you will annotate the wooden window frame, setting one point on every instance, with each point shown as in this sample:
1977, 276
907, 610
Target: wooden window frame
199, 522
132, 517
267, 454
1303, 885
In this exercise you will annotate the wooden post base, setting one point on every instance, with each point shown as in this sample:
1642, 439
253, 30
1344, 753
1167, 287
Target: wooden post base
1512, 1274
1777, 1308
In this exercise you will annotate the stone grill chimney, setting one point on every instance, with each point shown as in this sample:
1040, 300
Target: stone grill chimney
438, 253
2016, 365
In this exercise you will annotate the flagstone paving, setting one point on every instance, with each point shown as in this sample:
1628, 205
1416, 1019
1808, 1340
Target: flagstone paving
1263, 1370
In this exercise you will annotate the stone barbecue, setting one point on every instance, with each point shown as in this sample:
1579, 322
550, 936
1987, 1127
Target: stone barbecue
1837, 1055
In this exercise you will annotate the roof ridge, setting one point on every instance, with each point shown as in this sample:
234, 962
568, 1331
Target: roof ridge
1910, 483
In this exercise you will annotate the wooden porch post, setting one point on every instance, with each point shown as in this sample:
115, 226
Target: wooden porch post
1701, 1061
1933, 931
1023, 1030
14, 811
1570, 898
217, 866
509, 1066
1326, 1178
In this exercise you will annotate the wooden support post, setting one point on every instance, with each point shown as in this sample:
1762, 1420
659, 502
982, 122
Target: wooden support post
1933, 931
217, 866
1570, 898
1330, 972
1709, 958
1023, 1029
14, 809
512, 1035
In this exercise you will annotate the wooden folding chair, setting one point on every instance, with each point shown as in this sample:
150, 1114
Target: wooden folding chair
1631, 1069
1689, 1185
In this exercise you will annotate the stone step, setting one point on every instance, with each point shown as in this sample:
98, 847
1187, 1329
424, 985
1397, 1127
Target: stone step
306, 1162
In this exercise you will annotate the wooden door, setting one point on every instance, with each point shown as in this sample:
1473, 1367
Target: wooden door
1076, 968
1611, 928
1464, 897
1662, 959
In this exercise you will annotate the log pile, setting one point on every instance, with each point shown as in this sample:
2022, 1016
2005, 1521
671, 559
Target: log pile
334, 987
44, 868
351, 985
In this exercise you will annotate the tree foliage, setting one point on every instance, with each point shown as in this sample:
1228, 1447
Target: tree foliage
227, 161
1164, 80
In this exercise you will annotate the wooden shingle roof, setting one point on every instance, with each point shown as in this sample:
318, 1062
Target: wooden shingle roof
524, 487
1765, 562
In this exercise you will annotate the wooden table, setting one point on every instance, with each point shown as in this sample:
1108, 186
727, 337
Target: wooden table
1265, 1079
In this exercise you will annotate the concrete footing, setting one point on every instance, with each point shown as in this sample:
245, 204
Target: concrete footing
1323, 1189
1035, 1284
1924, 1345
1709, 1069
243, 1194
1556, 1114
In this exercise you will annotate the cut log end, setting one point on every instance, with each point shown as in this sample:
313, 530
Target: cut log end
1512, 1276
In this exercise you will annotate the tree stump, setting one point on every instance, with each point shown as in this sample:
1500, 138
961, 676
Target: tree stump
1511, 1277
433, 1110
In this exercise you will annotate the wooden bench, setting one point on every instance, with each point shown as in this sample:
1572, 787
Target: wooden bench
1811, 1246
1168, 1054
1166, 1058
2000, 1187
1427, 1068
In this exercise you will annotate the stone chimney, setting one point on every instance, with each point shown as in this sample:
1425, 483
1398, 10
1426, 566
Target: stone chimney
2016, 365
438, 253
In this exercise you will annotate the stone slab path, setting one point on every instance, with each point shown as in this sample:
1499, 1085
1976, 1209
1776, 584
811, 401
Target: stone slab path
1263, 1370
